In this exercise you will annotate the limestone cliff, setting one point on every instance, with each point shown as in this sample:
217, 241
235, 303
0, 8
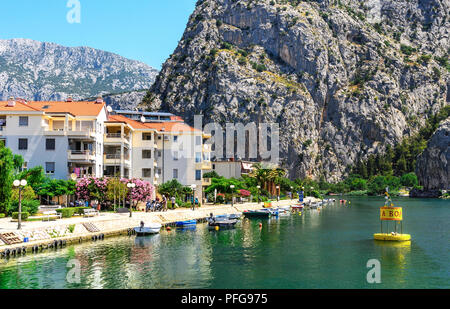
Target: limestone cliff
342, 78
433, 165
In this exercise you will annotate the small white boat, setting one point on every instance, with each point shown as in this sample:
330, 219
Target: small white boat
153, 228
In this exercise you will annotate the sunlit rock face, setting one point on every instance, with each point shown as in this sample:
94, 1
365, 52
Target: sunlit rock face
342, 78
433, 165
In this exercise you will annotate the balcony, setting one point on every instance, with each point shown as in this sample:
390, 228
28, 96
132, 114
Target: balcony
81, 155
205, 165
87, 133
116, 138
206, 182
57, 132
116, 159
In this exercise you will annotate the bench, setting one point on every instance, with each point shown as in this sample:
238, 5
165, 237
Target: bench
90, 212
50, 215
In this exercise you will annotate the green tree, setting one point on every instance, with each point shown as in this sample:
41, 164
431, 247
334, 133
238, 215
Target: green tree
171, 188
6, 178
409, 180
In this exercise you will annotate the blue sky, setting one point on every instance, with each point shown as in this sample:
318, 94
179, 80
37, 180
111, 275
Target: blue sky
144, 30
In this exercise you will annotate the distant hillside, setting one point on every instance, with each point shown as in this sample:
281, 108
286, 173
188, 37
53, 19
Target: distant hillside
46, 71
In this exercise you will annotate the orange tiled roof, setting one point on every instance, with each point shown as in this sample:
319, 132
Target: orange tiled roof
158, 126
18, 107
74, 108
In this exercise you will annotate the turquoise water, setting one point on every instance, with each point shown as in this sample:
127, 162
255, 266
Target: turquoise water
326, 249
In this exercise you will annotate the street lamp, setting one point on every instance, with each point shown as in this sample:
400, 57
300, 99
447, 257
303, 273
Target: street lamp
20, 184
232, 195
131, 185
258, 187
193, 187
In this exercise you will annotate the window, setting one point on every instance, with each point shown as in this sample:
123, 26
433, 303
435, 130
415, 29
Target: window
50, 144
146, 136
23, 144
198, 174
175, 139
23, 121
175, 155
175, 173
198, 140
146, 154
50, 168
214, 166
147, 172
159, 153
198, 157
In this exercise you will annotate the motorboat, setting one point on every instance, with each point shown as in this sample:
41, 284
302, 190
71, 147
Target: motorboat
221, 223
257, 214
152, 228
273, 212
298, 207
186, 223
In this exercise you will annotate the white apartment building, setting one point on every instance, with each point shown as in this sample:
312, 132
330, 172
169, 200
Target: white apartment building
156, 150
62, 137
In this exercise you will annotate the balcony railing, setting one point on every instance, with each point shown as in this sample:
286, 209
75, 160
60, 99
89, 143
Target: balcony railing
112, 156
113, 135
82, 152
82, 155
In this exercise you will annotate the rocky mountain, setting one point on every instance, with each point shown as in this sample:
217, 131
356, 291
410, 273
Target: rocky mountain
45, 71
433, 165
343, 78
123, 101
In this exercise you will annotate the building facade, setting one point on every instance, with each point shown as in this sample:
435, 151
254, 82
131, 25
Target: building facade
62, 137
88, 139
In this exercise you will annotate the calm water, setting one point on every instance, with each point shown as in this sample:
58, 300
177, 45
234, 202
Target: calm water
326, 249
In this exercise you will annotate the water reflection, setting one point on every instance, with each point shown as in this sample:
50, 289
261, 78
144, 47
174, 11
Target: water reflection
326, 249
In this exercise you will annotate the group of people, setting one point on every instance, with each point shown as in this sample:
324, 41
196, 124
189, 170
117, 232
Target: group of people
157, 205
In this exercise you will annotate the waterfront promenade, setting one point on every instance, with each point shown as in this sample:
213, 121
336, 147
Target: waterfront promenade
76, 229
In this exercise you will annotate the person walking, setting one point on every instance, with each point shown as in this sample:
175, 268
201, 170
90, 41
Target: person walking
164, 202
174, 202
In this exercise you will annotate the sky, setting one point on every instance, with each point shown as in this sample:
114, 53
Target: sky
144, 30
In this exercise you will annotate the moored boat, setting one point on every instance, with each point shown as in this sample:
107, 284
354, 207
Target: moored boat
221, 224
152, 228
257, 214
186, 223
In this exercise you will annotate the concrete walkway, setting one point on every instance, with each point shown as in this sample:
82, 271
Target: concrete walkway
112, 223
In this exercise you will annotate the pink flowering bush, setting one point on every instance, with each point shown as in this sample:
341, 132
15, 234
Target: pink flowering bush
91, 188
143, 191
245, 193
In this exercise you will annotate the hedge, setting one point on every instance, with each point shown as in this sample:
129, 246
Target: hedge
25, 215
66, 212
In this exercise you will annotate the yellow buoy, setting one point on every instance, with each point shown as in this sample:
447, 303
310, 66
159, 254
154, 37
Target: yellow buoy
392, 237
